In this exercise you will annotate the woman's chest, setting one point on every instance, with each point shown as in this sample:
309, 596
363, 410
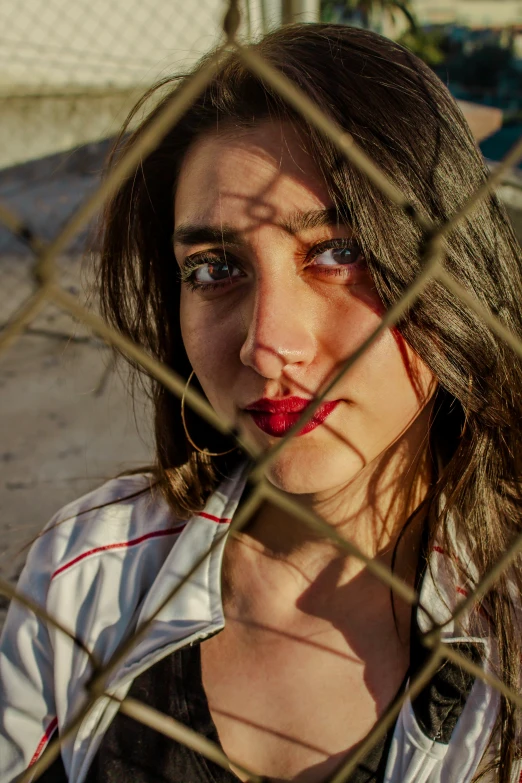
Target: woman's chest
287, 704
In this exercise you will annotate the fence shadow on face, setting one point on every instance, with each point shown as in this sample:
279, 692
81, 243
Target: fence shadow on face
307, 603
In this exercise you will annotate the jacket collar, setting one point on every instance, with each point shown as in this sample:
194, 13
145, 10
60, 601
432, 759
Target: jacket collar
186, 611
182, 611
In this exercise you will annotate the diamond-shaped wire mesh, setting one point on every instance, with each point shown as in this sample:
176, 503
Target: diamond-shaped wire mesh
40, 262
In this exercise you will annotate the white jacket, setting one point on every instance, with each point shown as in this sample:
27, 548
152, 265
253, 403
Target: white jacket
104, 565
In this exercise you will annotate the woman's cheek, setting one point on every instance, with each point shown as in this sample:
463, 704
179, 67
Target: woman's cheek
210, 349
390, 365
346, 326
419, 377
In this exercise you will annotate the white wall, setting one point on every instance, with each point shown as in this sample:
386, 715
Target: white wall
70, 70
469, 13
98, 43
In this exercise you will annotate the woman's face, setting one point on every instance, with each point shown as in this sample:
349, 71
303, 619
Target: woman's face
276, 295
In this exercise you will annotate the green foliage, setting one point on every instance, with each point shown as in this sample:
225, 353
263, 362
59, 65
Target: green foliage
426, 44
483, 67
364, 10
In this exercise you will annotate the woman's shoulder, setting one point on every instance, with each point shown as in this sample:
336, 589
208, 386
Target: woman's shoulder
123, 514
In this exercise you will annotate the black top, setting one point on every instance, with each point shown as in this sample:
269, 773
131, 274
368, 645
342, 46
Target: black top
130, 751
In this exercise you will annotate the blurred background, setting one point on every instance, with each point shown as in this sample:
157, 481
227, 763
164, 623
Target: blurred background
70, 71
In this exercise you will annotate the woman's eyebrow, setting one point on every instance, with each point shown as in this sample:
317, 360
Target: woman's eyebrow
194, 234
300, 221
295, 223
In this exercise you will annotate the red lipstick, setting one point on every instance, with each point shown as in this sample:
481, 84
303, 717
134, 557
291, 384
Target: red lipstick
276, 417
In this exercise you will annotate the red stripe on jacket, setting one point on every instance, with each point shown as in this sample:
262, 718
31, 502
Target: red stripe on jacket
119, 545
134, 541
219, 520
51, 728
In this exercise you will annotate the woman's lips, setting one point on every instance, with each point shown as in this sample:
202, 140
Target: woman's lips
276, 417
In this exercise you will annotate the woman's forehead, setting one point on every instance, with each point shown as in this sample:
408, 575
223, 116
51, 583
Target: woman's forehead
260, 174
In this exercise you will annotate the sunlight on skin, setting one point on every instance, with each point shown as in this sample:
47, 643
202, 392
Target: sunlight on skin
275, 296
278, 324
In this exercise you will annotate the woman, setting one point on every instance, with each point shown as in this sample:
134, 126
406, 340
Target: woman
246, 253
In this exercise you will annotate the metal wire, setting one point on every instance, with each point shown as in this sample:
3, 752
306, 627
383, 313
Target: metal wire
49, 290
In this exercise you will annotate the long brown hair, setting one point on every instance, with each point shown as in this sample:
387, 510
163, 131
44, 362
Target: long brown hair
402, 115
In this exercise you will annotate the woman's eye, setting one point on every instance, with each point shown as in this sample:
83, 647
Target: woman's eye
338, 256
215, 272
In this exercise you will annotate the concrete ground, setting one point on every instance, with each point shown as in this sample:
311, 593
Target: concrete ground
66, 419
68, 424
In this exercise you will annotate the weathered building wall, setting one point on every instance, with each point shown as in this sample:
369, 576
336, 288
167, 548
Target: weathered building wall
71, 71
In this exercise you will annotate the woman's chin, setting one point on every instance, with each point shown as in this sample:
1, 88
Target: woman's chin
311, 471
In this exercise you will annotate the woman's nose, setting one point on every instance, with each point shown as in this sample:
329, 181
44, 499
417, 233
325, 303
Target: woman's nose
280, 331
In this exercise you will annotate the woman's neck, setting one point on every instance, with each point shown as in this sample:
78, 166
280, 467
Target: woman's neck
370, 512
281, 578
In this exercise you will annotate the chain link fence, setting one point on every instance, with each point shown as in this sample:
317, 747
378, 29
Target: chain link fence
70, 73
40, 267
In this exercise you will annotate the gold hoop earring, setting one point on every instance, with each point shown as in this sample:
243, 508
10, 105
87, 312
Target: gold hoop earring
201, 451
